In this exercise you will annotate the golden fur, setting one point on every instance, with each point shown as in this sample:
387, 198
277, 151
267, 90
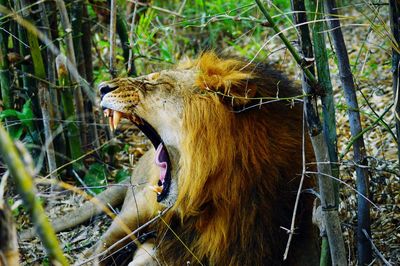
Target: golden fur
237, 164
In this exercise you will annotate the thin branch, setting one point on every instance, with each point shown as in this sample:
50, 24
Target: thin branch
347, 185
157, 8
296, 204
360, 134
376, 250
287, 43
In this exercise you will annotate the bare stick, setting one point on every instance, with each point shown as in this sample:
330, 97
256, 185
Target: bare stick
376, 250
158, 8
296, 204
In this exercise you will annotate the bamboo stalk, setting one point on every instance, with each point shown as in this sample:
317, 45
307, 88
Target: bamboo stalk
44, 97
77, 92
68, 30
327, 196
113, 25
328, 106
73, 138
27, 82
122, 31
395, 26
329, 117
132, 28
4, 71
76, 35
71, 68
59, 138
86, 40
346, 77
300, 18
23, 179
87, 45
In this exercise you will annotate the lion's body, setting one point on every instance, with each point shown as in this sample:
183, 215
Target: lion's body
237, 168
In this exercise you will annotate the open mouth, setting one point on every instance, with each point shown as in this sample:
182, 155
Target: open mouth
162, 158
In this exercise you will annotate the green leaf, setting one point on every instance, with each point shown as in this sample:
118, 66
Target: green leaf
95, 177
122, 175
8, 113
25, 117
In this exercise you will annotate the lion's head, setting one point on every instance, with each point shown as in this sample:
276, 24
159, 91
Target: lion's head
228, 137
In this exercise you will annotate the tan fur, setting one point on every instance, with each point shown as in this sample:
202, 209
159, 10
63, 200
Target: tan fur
236, 171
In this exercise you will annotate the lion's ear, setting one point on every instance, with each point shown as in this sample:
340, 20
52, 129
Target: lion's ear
227, 77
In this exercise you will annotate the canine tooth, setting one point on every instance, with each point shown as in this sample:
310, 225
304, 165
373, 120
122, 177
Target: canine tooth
110, 123
156, 189
107, 112
116, 118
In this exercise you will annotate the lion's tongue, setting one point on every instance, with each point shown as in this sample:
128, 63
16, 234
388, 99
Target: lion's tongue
161, 161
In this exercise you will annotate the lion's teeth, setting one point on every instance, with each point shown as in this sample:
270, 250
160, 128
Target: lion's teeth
107, 112
116, 118
110, 123
156, 189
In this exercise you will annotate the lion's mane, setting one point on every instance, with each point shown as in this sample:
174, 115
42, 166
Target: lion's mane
240, 167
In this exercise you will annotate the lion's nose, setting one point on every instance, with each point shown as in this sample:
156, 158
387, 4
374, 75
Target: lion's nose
104, 88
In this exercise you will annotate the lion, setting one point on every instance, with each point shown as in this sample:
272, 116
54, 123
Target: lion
227, 163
